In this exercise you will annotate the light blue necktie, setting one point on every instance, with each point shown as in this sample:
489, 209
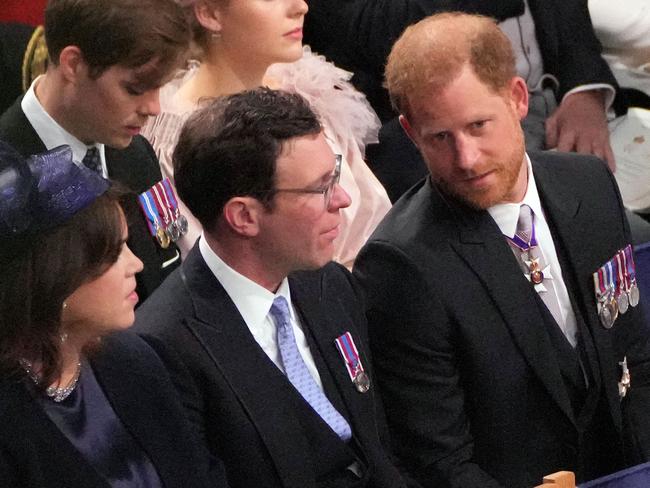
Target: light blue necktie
298, 374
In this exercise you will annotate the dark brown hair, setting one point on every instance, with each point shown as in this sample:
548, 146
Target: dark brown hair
39, 277
129, 33
230, 147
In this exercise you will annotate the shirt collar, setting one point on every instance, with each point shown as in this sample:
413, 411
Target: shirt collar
251, 299
49, 130
506, 215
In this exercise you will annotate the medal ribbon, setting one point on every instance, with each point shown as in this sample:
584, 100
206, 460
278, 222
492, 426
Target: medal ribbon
347, 348
169, 194
162, 208
150, 212
520, 243
170, 206
626, 272
621, 286
631, 268
599, 284
611, 288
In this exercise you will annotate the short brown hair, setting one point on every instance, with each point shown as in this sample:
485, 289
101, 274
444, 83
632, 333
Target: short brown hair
130, 33
43, 273
431, 54
230, 148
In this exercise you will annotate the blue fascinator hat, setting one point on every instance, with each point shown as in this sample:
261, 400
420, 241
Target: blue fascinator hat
43, 191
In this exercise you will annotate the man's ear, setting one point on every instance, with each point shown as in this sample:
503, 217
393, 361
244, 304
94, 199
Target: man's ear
242, 215
208, 15
72, 64
518, 92
406, 125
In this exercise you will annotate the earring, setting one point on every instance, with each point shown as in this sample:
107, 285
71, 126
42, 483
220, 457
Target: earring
65, 305
64, 337
215, 35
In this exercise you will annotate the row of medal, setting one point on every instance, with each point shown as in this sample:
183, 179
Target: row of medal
160, 206
616, 287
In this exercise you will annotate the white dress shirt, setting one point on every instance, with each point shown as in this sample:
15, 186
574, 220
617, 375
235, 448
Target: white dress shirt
254, 304
506, 216
51, 133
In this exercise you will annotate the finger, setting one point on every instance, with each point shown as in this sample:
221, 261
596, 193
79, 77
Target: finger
551, 132
610, 158
566, 140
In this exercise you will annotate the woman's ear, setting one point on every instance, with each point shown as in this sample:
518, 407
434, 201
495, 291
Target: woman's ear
208, 15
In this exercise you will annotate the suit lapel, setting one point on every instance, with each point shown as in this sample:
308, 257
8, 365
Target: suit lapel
16, 129
258, 384
572, 228
481, 245
326, 321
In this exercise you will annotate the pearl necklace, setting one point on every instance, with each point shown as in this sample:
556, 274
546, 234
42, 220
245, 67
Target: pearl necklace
58, 394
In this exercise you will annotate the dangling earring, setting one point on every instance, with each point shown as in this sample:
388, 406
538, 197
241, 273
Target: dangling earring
215, 35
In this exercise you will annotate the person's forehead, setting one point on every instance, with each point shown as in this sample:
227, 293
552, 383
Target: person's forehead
458, 100
305, 157
150, 75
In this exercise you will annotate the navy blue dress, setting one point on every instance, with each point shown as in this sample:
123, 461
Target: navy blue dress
89, 422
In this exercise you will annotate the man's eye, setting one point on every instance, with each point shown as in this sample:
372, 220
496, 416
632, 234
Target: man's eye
133, 91
440, 136
478, 124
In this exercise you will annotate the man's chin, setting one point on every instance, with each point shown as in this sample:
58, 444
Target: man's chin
120, 142
476, 200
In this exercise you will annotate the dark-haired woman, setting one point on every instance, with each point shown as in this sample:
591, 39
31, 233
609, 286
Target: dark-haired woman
81, 404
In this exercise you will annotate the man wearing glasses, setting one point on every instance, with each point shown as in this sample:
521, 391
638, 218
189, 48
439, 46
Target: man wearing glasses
263, 334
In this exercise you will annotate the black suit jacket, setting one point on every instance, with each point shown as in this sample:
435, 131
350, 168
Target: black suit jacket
244, 407
137, 169
359, 34
34, 453
472, 386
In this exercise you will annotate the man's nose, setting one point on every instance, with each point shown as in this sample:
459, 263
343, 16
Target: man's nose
467, 151
150, 103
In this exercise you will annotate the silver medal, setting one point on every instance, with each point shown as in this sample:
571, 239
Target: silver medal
622, 302
361, 381
606, 315
634, 294
182, 223
173, 231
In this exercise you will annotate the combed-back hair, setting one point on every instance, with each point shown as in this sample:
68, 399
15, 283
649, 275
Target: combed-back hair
230, 146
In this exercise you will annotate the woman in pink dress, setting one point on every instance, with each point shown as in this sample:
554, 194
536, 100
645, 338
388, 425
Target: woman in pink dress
243, 44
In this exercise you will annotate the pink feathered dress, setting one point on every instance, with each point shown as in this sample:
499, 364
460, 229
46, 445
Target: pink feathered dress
349, 124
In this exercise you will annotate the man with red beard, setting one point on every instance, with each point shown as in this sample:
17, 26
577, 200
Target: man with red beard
503, 310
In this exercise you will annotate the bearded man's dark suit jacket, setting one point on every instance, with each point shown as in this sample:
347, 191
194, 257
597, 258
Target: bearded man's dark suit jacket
248, 412
34, 453
475, 374
136, 168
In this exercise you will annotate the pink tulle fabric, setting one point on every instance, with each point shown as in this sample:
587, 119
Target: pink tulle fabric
349, 123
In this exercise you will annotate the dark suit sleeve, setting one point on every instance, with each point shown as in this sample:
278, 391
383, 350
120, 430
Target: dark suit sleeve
7, 470
415, 364
367, 29
570, 48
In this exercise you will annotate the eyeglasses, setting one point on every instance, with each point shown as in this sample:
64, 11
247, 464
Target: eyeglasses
325, 190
